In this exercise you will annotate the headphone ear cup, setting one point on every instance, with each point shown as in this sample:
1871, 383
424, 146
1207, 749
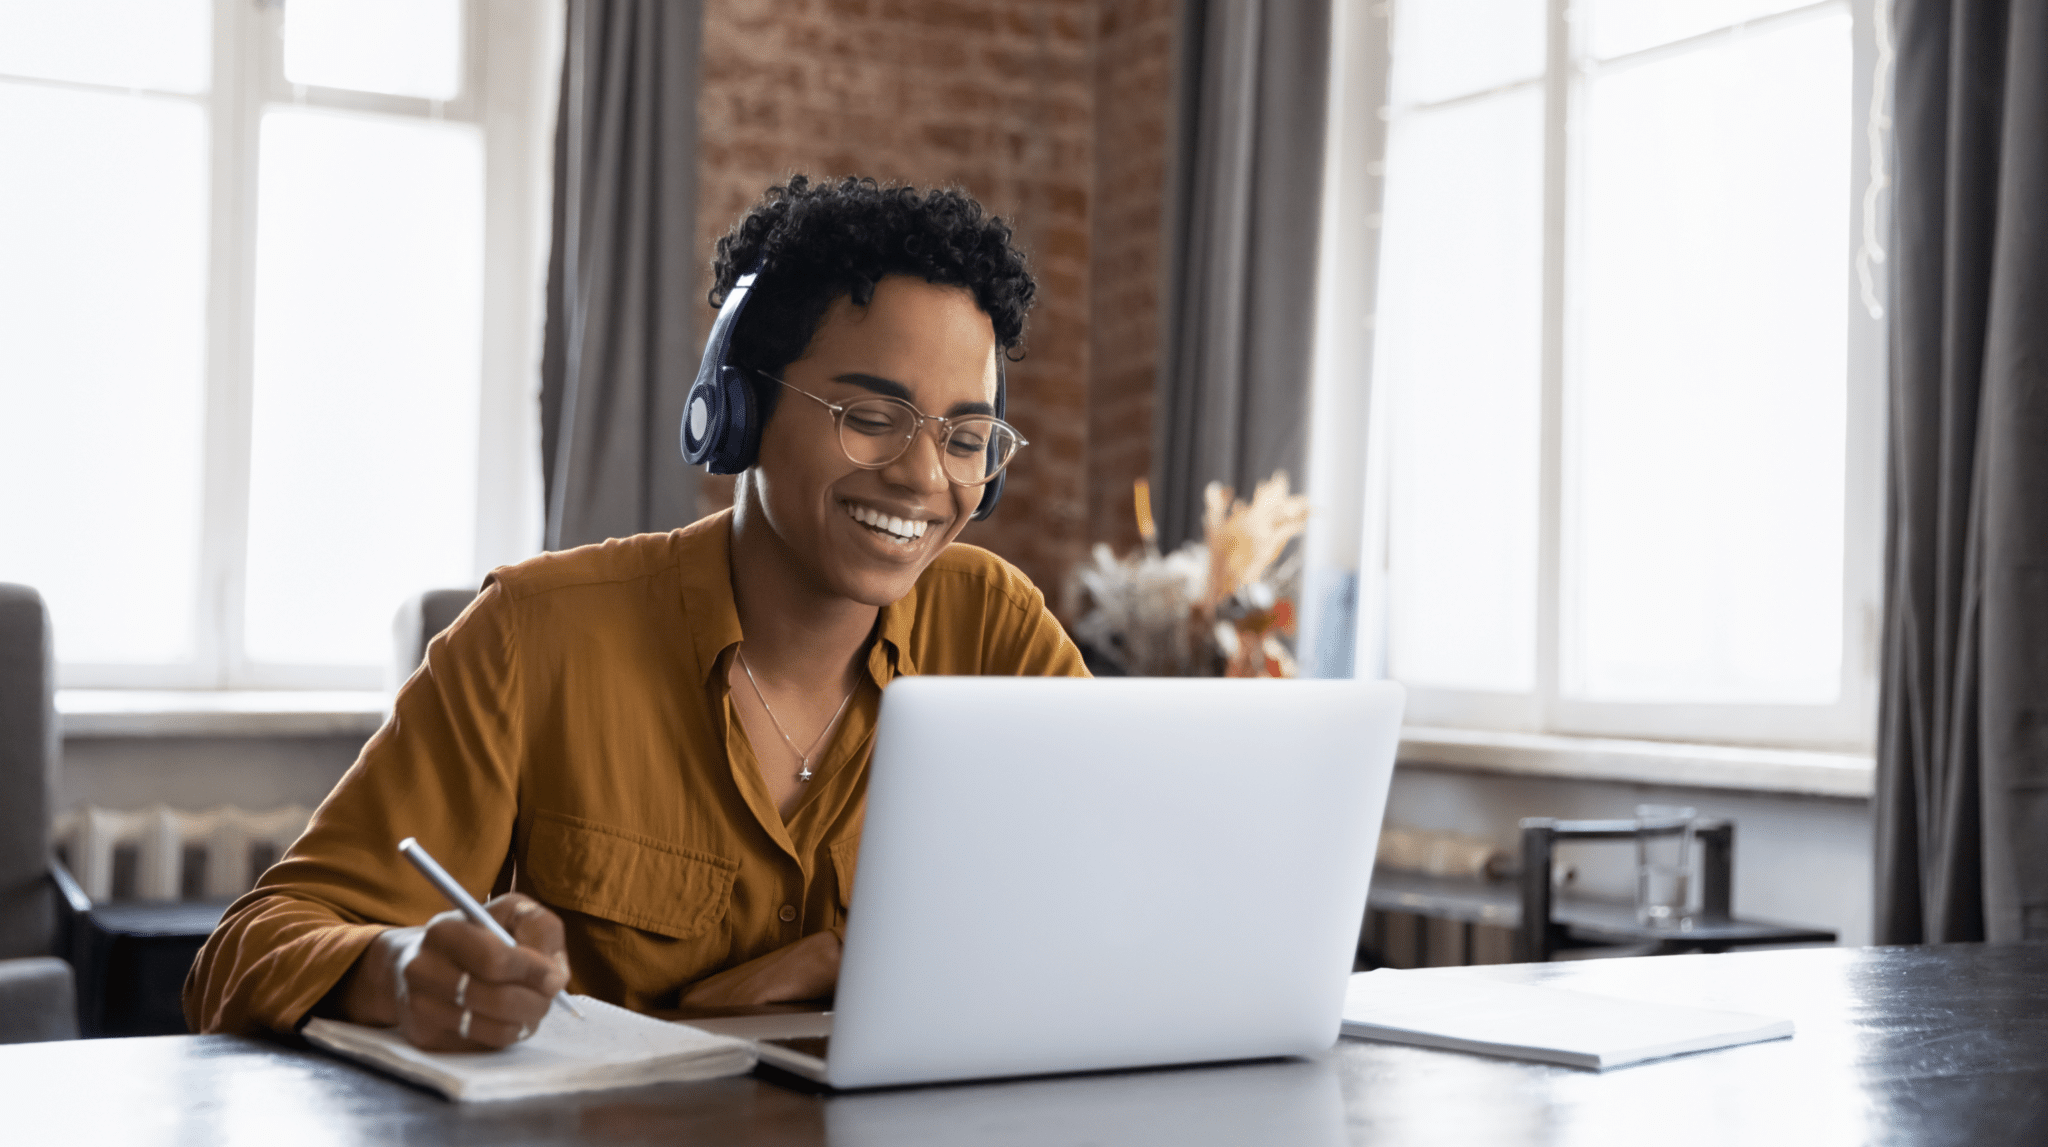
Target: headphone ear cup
703, 422
721, 422
740, 442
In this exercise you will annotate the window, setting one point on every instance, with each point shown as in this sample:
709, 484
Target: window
1626, 389
271, 307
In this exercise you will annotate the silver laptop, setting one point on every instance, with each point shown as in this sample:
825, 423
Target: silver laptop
1063, 875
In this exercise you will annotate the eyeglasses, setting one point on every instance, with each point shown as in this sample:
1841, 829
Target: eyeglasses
874, 432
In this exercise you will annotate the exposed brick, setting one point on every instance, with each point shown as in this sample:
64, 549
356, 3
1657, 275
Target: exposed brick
953, 14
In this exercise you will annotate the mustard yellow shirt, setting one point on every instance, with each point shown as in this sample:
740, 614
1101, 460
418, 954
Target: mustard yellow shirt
571, 736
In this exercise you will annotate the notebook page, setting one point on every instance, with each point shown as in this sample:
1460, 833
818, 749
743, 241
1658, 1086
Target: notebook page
611, 1047
1554, 1025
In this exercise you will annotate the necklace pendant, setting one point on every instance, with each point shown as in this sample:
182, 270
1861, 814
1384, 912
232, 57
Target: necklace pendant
804, 775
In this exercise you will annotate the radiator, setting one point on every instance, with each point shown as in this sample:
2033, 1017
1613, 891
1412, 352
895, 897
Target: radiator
162, 853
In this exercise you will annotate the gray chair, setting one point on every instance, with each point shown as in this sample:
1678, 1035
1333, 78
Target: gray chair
123, 964
38, 999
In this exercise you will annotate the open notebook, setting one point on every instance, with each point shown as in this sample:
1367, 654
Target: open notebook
1550, 1025
612, 1047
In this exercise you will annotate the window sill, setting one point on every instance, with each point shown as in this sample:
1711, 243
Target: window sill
219, 713
282, 713
1802, 772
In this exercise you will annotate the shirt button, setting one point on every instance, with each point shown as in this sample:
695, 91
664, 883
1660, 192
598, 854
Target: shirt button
788, 913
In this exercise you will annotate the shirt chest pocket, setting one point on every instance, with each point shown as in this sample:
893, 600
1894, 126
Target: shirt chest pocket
625, 877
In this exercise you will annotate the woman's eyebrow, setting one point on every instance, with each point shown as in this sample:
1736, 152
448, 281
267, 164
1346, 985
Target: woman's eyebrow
876, 383
894, 389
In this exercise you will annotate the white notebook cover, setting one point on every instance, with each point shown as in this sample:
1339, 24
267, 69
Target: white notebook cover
612, 1047
1549, 1025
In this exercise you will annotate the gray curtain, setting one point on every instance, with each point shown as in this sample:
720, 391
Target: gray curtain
622, 300
1245, 196
1962, 783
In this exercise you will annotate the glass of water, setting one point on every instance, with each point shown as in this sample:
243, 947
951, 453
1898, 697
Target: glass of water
1665, 862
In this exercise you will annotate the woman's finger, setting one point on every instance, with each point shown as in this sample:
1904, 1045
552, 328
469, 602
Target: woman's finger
472, 948
530, 923
466, 967
514, 1003
438, 1025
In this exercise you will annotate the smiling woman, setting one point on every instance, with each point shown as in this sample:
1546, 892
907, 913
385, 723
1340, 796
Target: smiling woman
655, 749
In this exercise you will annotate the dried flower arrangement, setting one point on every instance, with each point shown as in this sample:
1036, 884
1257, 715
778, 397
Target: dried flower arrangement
1218, 606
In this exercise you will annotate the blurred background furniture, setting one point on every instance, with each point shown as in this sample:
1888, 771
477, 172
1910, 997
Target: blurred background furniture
123, 964
1482, 915
143, 889
36, 990
149, 888
103, 910
418, 621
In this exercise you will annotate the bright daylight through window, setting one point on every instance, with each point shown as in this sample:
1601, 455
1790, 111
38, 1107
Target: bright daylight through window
1629, 390
245, 307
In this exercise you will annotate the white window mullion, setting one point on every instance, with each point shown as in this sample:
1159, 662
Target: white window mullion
244, 49
1863, 536
1558, 99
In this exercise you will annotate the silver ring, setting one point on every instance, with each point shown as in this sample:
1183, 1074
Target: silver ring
462, 991
462, 1029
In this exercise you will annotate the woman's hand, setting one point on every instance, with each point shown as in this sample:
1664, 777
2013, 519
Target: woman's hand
805, 970
452, 986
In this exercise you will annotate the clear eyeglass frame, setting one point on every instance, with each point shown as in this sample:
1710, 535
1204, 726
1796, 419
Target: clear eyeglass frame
873, 452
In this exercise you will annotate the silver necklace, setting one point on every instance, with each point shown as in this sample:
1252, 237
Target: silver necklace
803, 759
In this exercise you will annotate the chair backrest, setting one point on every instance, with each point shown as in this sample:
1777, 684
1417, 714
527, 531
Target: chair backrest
28, 772
417, 623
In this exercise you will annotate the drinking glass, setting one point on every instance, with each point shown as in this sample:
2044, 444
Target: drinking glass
1665, 880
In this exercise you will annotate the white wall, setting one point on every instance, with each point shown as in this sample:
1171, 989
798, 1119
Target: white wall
1798, 859
202, 772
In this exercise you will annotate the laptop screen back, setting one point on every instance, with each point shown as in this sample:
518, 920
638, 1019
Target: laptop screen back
1067, 875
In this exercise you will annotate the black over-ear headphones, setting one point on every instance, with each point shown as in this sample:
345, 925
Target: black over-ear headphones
722, 420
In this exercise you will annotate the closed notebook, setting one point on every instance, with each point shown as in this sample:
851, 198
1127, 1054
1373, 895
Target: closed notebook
612, 1047
1549, 1025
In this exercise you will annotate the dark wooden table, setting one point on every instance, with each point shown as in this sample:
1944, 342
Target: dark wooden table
1936, 1045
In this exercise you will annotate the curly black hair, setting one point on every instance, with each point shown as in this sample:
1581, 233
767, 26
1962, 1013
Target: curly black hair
816, 242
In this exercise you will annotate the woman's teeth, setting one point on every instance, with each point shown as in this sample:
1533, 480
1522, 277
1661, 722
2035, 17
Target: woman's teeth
899, 528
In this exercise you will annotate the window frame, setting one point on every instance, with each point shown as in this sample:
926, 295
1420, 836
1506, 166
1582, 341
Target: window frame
1357, 489
511, 51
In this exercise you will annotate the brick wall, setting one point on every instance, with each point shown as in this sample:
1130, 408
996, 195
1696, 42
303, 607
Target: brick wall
1134, 88
1039, 109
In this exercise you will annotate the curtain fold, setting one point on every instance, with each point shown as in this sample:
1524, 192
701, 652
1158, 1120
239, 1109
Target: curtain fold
1246, 194
1962, 781
622, 301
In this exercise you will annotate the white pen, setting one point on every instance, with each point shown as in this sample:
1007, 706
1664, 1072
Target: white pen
432, 870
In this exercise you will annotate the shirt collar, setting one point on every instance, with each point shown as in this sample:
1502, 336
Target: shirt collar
893, 636
706, 567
